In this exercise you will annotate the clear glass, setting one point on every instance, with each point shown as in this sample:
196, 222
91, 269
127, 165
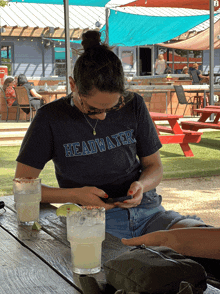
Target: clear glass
86, 232
27, 197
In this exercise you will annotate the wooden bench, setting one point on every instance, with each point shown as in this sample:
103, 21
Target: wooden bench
196, 125
187, 136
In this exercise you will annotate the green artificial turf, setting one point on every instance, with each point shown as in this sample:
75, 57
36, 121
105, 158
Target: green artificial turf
206, 162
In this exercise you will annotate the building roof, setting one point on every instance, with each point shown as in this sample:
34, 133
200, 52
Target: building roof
43, 16
50, 15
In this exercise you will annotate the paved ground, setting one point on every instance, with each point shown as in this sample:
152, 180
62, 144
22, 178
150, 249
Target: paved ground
200, 196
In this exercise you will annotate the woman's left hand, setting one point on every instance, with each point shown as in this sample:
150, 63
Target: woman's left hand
136, 190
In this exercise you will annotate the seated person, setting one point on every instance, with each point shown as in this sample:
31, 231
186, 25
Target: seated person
8, 88
10, 95
103, 143
35, 99
186, 72
202, 79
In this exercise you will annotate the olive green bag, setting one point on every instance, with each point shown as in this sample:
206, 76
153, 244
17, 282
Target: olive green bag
154, 270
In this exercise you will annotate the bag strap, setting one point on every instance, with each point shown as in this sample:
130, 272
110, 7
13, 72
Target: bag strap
187, 288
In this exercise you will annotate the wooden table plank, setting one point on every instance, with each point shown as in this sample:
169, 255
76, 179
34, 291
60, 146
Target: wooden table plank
51, 245
51, 242
21, 271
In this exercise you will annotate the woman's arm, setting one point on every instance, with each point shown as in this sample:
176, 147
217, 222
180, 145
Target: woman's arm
83, 196
152, 173
35, 94
197, 242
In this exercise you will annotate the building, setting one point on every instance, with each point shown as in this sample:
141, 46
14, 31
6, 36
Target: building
32, 38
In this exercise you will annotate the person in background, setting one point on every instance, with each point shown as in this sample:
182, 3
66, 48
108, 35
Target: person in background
35, 99
9, 90
160, 65
185, 70
202, 79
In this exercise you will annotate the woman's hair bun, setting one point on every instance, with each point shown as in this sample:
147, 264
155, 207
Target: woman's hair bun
91, 39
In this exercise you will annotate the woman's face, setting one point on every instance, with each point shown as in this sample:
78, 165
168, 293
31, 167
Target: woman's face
12, 84
97, 101
186, 71
160, 56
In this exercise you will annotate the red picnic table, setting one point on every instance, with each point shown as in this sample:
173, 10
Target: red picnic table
201, 123
179, 136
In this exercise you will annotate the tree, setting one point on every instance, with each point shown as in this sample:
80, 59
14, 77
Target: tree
3, 3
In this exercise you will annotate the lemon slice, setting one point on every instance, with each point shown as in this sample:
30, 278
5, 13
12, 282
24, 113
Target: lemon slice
36, 226
62, 210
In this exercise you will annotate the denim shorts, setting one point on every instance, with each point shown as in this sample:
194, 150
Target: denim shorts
149, 216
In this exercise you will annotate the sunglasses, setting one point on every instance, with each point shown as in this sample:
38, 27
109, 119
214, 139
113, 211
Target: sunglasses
92, 110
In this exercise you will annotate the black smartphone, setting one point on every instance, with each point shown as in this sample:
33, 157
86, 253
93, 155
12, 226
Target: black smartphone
118, 199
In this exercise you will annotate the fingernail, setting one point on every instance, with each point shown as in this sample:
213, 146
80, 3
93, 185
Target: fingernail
106, 195
131, 192
125, 201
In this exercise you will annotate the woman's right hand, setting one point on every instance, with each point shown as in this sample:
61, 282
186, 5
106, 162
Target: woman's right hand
91, 196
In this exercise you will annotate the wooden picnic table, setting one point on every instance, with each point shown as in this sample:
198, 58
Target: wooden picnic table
179, 136
40, 261
36, 261
50, 93
202, 123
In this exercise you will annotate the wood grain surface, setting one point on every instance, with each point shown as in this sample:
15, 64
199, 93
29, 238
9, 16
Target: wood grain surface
50, 248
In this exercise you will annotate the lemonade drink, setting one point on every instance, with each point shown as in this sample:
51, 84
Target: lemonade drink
28, 211
85, 232
27, 196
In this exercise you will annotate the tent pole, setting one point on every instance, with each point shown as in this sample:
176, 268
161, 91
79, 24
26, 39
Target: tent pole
106, 26
67, 45
211, 54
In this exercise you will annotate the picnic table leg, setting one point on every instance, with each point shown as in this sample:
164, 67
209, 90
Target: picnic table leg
177, 130
186, 150
204, 117
217, 118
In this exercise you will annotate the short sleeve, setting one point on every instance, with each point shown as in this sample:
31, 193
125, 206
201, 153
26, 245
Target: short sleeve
10, 92
148, 141
37, 146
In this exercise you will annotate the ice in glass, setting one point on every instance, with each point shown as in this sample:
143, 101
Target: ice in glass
86, 232
27, 197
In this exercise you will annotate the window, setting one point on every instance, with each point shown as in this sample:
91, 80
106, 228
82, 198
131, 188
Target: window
60, 64
127, 58
6, 58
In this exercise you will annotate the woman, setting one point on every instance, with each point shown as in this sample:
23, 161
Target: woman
35, 99
95, 136
185, 70
9, 90
160, 65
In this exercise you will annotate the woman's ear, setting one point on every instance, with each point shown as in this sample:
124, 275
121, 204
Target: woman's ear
72, 84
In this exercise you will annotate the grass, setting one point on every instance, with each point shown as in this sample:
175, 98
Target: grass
206, 162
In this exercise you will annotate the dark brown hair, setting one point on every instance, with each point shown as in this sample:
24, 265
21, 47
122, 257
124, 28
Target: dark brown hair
7, 82
98, 67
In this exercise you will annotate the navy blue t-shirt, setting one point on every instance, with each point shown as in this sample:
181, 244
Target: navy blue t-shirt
107, 160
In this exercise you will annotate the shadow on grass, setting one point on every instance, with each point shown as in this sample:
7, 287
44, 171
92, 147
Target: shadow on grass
170, 154
209, 143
